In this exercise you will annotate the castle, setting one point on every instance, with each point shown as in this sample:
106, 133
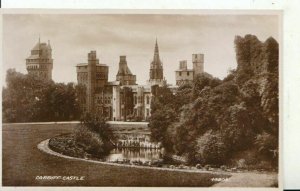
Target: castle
40, 63
119, 100
122, 99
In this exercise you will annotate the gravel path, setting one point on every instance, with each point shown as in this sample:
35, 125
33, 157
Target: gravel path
250, 179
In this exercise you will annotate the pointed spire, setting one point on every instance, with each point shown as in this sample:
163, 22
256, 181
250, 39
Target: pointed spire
49, 46
156, 47
156, 67
156, 53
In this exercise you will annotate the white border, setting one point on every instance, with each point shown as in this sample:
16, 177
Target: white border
290, 70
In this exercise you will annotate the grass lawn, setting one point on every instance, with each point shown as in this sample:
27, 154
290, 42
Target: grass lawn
22, 162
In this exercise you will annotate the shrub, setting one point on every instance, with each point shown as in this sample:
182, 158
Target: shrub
267, 144
241, 164
223, 167
211, 148
90, 141
198, 166
207, 167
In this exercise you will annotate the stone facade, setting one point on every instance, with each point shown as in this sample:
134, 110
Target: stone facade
184, 75
40, 62
122, 99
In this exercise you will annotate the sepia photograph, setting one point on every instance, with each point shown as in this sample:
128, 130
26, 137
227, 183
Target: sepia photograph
156, 99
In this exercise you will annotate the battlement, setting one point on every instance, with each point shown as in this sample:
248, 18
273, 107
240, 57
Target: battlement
92, 55
198, 58
183, 65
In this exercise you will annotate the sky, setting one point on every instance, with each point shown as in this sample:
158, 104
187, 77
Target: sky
179, 36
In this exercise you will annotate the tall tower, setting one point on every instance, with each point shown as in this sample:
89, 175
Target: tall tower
91, 85
156, 69
198, 63
40, 62
93, 76
124, 74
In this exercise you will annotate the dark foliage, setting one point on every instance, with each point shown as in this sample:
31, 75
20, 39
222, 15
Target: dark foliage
26, 99
212, 120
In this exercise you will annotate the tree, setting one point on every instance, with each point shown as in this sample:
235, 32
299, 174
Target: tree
213, 119
28, 99
203, 80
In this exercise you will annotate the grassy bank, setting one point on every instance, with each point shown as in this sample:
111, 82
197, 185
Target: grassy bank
23, 162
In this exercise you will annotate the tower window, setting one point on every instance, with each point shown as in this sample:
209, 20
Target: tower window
179, 73
188, 73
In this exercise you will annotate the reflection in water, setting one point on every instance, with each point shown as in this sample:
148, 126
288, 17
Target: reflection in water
141, 154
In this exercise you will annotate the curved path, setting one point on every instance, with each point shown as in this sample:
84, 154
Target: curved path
23, 164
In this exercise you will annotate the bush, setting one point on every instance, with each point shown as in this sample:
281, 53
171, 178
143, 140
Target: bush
89, 141
207, 167
223, 167
94, 135
241, 164
211, 148
198, 166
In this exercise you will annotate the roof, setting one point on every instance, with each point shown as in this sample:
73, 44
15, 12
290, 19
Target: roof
82, 64
113, 83
135, 87
85, 64
39, 46
184, 70
35, 56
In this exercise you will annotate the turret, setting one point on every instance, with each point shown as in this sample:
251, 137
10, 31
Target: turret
40, 63
198, 63
124, 74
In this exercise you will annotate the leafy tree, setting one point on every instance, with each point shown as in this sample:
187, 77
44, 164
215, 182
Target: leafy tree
203, 80
212, 120
29, 99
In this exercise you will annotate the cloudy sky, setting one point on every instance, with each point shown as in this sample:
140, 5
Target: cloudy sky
179, 36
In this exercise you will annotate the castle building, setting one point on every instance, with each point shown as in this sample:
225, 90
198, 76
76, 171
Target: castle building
184, 75
94, 77
40, 62
122, 99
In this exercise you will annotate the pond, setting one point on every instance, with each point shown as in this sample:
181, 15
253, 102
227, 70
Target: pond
134, 154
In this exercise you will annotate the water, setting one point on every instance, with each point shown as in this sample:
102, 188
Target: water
139, 154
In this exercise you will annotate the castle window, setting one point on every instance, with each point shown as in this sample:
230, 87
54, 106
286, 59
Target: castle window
148, 112
179, 73
148, 101
188, 73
